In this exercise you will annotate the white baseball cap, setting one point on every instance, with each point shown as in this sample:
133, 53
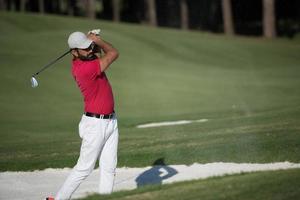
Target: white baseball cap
78, 40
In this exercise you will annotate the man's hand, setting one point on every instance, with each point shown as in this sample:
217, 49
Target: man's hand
93, 37
110, 53
94, 34
95, 31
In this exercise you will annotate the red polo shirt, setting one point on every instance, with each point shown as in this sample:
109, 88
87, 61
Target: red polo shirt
94, 86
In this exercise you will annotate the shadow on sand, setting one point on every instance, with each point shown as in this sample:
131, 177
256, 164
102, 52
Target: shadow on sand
159, 172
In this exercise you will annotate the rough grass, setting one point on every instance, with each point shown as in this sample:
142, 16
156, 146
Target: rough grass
248, 88
278, 185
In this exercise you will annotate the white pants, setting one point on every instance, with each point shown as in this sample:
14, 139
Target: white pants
99, 141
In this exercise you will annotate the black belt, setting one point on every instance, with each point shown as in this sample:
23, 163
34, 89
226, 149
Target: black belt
109, 116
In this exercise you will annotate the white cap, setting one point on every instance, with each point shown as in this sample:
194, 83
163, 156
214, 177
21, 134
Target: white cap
79, 40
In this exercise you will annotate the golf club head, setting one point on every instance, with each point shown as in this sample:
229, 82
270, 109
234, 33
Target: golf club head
34, 82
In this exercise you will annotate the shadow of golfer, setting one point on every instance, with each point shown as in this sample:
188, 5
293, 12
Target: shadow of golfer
159, 172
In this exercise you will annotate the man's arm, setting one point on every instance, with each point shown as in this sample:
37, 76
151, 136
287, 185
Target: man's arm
110, 53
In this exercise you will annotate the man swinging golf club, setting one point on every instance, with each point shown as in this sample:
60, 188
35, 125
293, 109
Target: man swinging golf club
98, 126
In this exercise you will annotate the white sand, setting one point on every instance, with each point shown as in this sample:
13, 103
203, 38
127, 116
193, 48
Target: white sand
37, 185
170, 123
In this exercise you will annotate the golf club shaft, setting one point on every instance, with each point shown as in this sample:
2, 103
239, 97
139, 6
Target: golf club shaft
52, 62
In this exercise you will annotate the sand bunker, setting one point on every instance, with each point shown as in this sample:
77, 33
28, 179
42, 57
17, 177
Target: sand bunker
170, 123
37, 185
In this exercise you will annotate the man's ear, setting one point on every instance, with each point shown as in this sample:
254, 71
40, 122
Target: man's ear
74, 53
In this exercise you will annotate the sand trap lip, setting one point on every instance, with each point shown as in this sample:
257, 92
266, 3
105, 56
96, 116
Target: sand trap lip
39, 184
170, 123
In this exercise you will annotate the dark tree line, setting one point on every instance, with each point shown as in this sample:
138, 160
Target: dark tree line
256, 17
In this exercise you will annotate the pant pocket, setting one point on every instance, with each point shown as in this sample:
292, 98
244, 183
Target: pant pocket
81, 129
88, 126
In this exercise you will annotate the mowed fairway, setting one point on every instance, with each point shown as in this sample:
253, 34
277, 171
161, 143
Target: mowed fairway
247, 88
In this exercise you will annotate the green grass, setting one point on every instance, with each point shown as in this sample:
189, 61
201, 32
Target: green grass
248, 88
278, 185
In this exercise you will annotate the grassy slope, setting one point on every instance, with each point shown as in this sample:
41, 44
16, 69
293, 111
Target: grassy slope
248, 88
279, 185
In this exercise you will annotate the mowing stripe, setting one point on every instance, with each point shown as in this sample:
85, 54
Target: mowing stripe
39, 184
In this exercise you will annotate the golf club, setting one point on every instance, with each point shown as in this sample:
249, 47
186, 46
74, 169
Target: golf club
34, 82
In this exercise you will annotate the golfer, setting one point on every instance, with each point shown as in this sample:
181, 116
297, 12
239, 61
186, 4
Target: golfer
98, 127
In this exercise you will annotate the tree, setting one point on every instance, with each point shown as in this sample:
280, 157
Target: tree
184, 13
116, 10
227, 17
269, 18
61, 6
2, 5
22, 5
11, 5
70, 7
90, 9
151, 12
41, 6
